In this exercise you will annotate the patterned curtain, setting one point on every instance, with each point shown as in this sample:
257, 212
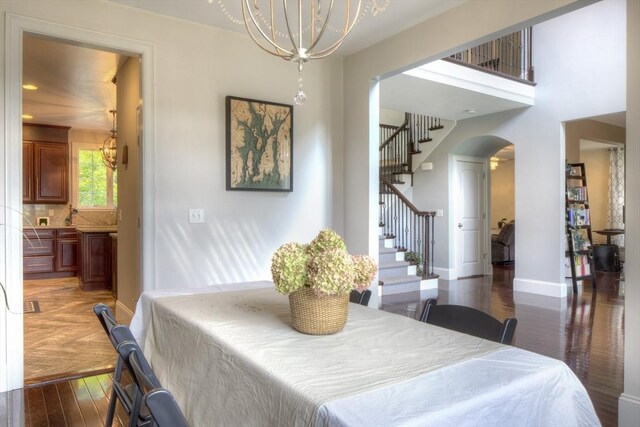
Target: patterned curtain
616, 193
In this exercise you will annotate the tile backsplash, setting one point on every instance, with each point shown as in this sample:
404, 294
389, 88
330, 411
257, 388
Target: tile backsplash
58, 213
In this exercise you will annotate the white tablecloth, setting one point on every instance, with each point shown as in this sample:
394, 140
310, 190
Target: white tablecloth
233, 359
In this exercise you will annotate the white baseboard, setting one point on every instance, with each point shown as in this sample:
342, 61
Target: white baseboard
628, 410
446, 273
550, 289
123, 314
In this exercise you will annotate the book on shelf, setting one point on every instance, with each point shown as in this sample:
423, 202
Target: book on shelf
578, 216
583, 267
577, 194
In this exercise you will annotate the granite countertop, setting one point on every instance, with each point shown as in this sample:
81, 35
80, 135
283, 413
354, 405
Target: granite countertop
97, 228
84, 228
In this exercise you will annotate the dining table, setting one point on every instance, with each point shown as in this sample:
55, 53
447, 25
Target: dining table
230, 356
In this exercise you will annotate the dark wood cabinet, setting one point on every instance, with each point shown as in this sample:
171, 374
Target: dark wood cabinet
94, 260
45, 164
27, 172
51, 171
114, 265
66, 254
49, 253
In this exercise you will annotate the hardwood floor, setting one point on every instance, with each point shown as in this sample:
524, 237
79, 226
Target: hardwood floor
64, 340
586, 332
79, 402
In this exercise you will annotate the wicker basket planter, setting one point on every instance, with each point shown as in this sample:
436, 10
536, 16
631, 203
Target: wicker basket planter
315, 315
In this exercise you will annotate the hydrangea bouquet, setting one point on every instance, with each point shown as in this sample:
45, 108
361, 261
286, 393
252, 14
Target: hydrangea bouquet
324, 266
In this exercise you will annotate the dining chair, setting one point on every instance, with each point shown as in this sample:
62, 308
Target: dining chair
469, 321
161, 404
120, 390
361, 298
143, 380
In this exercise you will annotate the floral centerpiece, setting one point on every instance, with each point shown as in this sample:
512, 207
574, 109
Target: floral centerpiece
319, 278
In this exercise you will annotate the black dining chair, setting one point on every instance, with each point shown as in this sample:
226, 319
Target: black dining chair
361, 298
120, 391
469, 321
161, 404
143, 379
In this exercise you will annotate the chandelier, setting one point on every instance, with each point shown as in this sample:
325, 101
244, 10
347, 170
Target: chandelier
293, 29
109, 148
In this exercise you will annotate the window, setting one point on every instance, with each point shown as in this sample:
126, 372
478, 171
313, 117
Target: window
95, 185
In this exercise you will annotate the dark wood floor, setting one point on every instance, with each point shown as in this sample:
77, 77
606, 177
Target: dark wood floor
586, 332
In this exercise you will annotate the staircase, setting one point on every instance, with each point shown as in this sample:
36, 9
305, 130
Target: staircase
406, 233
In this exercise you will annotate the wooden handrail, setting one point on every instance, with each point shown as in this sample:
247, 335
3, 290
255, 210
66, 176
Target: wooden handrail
406, 201
402, 127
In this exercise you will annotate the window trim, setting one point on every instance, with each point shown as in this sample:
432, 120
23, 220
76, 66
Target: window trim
76, 146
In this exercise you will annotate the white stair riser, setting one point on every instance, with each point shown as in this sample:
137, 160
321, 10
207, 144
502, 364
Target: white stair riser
386, 243
393, 271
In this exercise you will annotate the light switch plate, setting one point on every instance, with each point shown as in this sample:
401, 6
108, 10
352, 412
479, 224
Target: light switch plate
196, 216
439, 212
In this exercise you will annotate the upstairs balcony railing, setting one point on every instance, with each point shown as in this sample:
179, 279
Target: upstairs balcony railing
508, 56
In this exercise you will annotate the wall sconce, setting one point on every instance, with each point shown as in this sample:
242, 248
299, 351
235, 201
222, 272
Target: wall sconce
493, 163
109, 148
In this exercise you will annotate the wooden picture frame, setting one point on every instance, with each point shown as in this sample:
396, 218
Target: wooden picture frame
257, 132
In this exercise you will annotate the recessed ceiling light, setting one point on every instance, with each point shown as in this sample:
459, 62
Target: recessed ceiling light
470, 111
27, 116
29, 87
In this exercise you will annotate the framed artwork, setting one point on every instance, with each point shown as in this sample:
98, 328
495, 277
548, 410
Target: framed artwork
259, 145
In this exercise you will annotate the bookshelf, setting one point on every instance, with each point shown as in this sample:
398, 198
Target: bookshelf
579, 250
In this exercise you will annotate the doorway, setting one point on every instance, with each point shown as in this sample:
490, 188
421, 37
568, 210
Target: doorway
71, 192
470, 212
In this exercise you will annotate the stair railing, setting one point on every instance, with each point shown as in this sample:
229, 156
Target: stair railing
413, 229
394, 151
420, 127
509, 56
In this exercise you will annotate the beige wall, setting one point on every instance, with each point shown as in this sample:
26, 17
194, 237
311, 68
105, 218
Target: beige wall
128, 100
591, 130
503, 192
596, 163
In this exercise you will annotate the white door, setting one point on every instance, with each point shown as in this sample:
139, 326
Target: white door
470, 218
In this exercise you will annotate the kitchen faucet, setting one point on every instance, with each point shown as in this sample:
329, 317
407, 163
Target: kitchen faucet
72, 211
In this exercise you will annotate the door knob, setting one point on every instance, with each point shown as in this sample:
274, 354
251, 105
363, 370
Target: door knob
459, 225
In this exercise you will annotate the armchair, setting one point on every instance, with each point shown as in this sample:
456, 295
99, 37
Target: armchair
503, 244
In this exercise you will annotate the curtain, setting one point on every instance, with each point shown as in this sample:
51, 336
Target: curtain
616, 193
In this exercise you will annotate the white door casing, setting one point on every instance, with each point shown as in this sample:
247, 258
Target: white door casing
470, 217
11, 332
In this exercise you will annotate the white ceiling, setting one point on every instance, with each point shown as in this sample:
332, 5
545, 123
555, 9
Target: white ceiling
398, 16
74, 84
453, 92
76, 89
616, 119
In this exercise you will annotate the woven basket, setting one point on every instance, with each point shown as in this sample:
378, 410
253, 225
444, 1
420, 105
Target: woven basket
314, 315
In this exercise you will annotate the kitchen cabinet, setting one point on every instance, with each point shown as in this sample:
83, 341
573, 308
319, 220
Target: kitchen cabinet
114, 265
94, 259
45, 163
49, 253
67, 250
27, 172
